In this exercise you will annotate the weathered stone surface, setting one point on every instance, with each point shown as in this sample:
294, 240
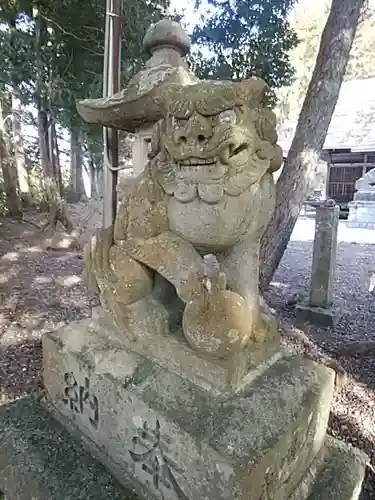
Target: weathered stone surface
362, 208
137, 106
208, 189
320, 307
365, 187
336, 473
172, 353
324, 256
362, 225
250, 445
342, 473
324, 316
181, 386
361, 214
40, 461
166, 33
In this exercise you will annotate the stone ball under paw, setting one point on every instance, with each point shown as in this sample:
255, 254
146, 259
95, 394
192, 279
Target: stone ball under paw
218, 326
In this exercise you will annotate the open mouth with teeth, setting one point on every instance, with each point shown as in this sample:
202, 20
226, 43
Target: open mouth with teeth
229, 152
201, 169
195, 162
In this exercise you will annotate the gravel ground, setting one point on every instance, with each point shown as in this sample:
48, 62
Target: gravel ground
41, 289
352, 344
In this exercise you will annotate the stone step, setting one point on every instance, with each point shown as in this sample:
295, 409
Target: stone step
40, 461
336, 474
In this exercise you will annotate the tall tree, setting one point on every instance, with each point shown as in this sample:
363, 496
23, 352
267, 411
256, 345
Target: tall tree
8, 167
19, 152
314, 119
76, 185
243, 38
54, 52
308, 20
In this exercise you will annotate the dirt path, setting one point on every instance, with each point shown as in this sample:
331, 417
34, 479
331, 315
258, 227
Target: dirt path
40, 290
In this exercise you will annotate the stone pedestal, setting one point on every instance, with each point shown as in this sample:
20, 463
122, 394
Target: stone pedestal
320, 307
171, 438
324, 316
362, 208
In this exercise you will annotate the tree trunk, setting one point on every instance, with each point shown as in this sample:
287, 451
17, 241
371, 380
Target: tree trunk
93, 177
99, 167
100, 179
17, 137
52, 198
8, 167
19, 154
40, 98
77, 188
51, 152
54, 154
10, 181
43, 134
314, 119
55, 204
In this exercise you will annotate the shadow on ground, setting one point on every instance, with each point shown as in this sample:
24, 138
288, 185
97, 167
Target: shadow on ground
40, 290
20, 368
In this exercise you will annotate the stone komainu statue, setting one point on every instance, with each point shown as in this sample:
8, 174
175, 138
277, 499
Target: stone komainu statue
207, 189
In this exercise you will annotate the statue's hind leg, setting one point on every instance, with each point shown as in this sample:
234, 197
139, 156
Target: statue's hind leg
125, 287
241, 266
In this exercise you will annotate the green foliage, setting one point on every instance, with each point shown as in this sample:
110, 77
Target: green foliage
242, 38
308, 21
52, 56
71, 49
362, 61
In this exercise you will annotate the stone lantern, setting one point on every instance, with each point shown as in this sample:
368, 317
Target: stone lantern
135, 109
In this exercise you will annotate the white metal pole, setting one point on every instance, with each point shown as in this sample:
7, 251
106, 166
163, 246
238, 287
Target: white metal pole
111, 85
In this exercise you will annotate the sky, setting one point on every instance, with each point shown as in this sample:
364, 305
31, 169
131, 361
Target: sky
191, 15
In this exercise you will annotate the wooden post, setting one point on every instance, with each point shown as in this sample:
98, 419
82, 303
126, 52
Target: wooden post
111, 85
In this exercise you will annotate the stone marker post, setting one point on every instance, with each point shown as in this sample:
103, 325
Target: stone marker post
324, 255
320, 307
